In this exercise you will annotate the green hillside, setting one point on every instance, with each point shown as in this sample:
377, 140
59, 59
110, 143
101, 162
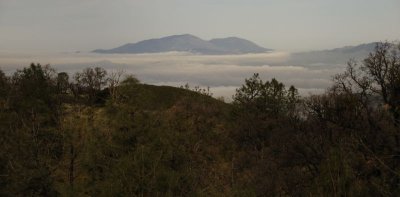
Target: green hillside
153, 97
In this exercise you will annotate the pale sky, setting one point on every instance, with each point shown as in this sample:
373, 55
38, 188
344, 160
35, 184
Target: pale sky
287, 25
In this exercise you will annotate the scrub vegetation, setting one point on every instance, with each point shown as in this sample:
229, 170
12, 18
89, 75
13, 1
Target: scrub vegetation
106, 134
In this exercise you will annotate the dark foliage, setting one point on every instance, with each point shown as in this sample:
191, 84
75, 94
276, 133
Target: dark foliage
97, 134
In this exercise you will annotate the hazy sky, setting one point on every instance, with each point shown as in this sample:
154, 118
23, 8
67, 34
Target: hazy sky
292, 25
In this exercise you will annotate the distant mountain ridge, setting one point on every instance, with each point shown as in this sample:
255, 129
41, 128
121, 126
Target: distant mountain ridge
333, 56
189, 43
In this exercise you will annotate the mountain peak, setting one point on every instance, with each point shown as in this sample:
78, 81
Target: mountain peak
189, 43
182, 36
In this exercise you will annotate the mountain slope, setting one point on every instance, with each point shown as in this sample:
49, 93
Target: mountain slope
188, 43
238, 45
332, 56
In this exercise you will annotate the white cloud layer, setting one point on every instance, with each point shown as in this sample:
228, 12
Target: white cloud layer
223, 74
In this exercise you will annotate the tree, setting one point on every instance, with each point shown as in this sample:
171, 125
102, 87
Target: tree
114, 80
263, 117
360, 143
4, 89
377, 75
91, 81
270, 97
62, 82
30, 144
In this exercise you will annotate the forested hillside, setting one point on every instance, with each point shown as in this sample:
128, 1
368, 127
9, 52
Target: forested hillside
105, 134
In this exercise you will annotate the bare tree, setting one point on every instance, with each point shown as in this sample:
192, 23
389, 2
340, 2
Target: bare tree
91, 80
377, 75
114, 80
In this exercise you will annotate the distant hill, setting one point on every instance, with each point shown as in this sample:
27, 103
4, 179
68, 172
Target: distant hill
238, 45
332, 56
189, 43
152, 97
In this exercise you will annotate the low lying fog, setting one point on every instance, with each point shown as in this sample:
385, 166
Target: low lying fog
223, 74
